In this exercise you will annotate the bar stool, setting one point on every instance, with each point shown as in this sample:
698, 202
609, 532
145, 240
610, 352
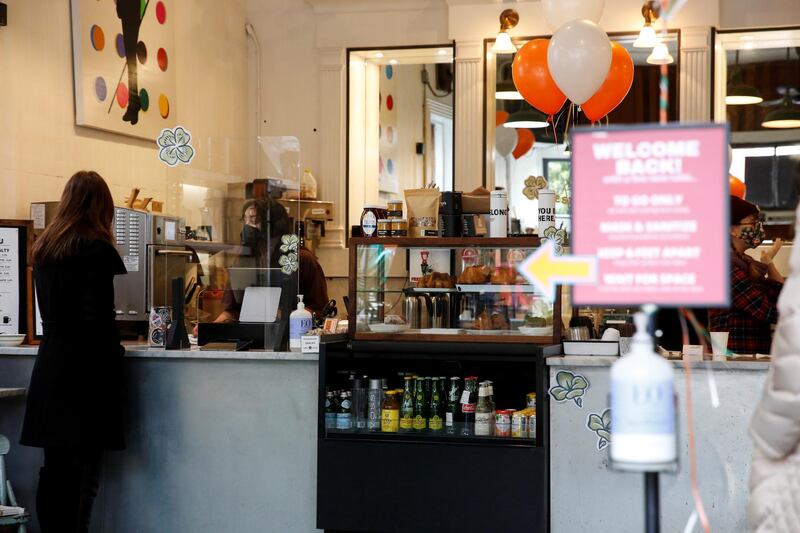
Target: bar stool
7, 493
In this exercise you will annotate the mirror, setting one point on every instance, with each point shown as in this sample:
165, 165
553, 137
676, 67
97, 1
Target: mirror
400, 123
516, 159
757, 90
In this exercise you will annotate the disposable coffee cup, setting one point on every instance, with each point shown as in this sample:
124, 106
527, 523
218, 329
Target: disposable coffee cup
719, 345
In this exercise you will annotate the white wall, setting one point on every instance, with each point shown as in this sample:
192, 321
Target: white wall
743, 13
40, 147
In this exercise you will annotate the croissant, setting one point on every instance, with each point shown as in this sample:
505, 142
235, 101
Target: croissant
482, 321
475, 275
504, 276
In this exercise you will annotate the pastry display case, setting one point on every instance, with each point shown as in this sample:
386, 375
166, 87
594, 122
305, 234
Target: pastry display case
432, 289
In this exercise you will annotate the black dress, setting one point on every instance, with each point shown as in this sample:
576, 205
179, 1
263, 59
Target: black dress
76, 392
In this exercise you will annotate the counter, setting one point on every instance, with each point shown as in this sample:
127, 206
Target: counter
217, 441
587, 496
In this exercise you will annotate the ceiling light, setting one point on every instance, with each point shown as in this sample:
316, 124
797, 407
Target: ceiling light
785, 117
379, 55
502, 43
647, 35
739, 93
660, 55
506, 90
442, 52
392, 61
528, 118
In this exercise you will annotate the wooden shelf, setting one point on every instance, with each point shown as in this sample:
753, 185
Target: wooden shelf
449, 242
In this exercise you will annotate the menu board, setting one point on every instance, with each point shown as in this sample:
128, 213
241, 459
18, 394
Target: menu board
651, 203
10, 320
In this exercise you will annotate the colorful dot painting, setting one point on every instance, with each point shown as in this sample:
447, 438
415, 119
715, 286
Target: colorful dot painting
389, 102
141, 52
389, 134
122, 95
162, 59
390, 166
161, 13
144, 100
120, 45
97, 37
163, 106
389, 72
100, 89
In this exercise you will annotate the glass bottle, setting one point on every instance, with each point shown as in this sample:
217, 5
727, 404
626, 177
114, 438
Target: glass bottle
483, 413
330, 411
390, 413
468, 400
453, 411
420, 418
407, 407
436, 410
344, 419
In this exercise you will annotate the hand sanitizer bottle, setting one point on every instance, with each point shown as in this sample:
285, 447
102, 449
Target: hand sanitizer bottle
642, 406
299, 325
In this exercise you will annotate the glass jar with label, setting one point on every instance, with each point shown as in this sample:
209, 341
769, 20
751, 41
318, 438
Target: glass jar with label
394, 210
398, 228
384, 227
369, 219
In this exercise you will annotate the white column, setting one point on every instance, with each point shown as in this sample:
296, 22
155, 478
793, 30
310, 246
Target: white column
468, 156
332, 99
695, 74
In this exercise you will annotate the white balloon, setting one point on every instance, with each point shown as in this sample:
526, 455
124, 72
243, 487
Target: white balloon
559, 12
579, 56
505, 140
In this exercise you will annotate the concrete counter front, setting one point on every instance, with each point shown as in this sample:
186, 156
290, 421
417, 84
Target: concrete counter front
587, 496
216, 441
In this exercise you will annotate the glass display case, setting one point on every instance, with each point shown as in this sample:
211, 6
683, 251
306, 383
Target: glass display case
434, 289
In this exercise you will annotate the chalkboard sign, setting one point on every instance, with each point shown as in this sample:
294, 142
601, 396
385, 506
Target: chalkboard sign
15, 248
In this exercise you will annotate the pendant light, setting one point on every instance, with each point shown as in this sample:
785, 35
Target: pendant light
660, 55
787, 115
739, 93
506, 90
647, 35
527, 117
502, 43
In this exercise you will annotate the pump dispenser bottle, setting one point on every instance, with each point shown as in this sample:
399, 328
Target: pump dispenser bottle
642, 406
299, 324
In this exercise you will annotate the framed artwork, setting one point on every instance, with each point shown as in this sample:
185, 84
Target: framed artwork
558, 173
388, 160
124, 75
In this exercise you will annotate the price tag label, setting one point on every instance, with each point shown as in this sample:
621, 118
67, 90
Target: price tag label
310, 344
465, 397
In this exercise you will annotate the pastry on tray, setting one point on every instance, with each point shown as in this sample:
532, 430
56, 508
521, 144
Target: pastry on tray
535, 321
436, 280
504, 276
475, 275
490, 321
395, 320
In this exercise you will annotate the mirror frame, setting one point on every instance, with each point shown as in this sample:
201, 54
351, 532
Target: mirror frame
348, 51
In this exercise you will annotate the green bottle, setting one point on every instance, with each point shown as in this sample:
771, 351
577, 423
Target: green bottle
420, 420
435, 422
407, 407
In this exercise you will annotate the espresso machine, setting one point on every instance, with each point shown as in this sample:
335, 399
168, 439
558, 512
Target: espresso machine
154, 253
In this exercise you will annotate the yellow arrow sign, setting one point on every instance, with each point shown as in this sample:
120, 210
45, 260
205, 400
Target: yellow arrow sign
544, 269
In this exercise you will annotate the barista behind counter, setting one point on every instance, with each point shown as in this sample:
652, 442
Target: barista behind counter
265, 222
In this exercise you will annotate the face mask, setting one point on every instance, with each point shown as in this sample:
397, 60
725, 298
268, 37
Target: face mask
249, 234
753, 235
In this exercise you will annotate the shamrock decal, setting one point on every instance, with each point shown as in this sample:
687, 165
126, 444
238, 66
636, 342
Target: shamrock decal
289, 243
558, 236
533, 186
569, 387
601, 425
175, 146
289, 263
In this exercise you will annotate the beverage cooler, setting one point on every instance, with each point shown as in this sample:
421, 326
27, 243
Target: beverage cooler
433, 436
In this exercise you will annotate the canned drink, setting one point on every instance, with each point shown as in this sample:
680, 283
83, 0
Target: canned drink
519, 425
374, 401
502, 423
531, 399
532, 426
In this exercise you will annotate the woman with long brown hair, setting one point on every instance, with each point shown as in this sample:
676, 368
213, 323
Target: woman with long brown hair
75, 398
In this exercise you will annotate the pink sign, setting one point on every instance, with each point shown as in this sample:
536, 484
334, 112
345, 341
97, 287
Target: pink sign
652, 205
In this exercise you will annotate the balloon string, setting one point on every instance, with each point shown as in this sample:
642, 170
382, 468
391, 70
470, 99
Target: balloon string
566, 128
553, 124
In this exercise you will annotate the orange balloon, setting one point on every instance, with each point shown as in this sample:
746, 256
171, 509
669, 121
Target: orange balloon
614, 90
525, 140
737, 187
533, 80
500, 117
